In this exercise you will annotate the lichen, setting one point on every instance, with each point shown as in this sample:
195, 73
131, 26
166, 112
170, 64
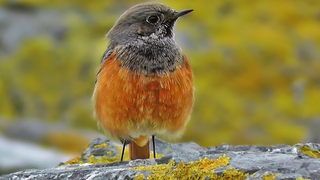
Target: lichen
301, 178
125, 156
111, 156
269, 176
76, 160
157, 155
310, 152
139, 177
104, 145
201, 169
233, 173
104, 159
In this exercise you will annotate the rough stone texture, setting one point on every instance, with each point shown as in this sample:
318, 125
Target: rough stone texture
288, 162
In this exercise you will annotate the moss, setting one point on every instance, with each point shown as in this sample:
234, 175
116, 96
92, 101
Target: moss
310, 152
269, 176
201, 169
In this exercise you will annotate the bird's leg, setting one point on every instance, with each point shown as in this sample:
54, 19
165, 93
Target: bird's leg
123, 148
154, 147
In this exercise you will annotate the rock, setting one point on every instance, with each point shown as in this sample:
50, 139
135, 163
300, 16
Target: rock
187, 160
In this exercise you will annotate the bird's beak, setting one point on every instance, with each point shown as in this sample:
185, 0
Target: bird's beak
181, 13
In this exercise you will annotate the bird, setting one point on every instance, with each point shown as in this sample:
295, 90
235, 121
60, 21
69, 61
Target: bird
144, 85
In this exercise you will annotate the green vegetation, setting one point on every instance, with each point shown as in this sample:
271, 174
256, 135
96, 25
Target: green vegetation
256, 67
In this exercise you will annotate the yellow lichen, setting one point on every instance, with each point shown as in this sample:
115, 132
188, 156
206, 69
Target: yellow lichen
233, 173
107, 158
310, 152
195, 170
269, 176
125, 156
73, 161
301, 178
103, 159
139, 177
157, 155
92, 160
104, 145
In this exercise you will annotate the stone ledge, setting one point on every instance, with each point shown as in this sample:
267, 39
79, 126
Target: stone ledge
100, 161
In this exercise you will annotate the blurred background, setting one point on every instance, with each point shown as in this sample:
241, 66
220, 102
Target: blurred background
256, 66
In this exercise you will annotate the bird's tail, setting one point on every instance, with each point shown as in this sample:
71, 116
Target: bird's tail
139, 148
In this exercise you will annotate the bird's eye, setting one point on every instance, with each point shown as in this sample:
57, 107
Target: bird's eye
153, 19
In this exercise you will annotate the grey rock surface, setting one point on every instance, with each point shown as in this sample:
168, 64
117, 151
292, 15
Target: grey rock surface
287, 162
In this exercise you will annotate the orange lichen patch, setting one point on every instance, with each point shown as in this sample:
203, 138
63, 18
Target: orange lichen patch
310, 152
131, 104
204, 168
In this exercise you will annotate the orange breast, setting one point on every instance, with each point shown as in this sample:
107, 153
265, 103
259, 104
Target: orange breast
128, 104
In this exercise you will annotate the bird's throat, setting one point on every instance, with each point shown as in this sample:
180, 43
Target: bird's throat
150, 58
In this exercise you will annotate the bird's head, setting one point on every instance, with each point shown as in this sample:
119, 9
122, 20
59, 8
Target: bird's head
145, 20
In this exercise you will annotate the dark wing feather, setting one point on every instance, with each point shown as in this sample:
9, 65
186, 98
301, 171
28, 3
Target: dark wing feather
105, 56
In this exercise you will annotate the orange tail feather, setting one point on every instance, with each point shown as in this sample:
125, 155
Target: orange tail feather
138, 152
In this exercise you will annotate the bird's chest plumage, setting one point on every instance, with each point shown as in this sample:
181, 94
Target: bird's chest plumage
129, 103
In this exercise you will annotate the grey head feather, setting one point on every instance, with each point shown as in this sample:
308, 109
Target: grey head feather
143, 39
